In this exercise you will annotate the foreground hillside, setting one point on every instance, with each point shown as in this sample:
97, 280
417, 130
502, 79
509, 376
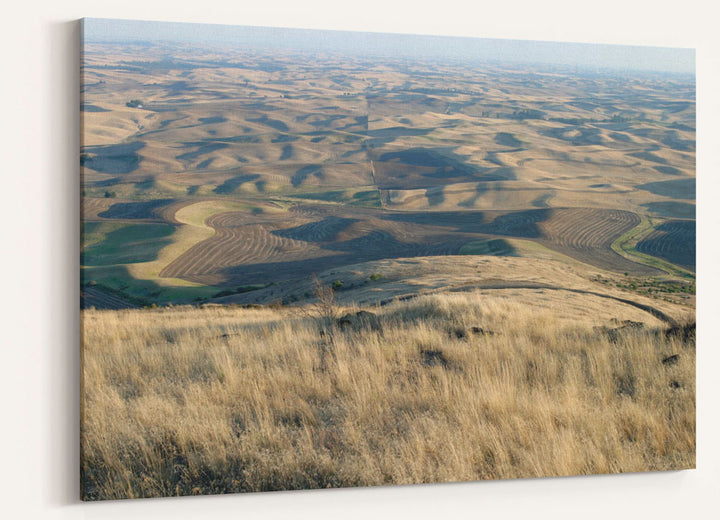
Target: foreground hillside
442, 387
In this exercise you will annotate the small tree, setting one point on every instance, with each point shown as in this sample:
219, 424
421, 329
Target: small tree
324, 311
325, 307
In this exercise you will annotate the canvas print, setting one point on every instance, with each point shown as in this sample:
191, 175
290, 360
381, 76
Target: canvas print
318, 259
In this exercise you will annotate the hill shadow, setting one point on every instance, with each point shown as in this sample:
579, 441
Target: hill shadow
115, 158
272, 123
319, 231
507, 139
304, 172
134, 210
202, 149
234, 183
674, 241
672, 209
674, 189
522, 224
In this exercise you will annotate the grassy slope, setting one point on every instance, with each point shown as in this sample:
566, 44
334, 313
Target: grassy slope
192, 401
110, 243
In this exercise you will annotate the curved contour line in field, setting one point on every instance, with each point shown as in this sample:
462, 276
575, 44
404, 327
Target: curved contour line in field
625, 245
192, 231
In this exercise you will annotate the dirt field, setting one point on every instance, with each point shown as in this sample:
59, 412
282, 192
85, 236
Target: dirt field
251, 248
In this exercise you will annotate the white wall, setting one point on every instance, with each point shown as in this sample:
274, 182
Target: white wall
39, 454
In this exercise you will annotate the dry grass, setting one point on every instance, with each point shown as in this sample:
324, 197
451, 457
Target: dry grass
217, 400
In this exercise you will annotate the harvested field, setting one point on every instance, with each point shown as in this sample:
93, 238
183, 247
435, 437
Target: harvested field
586, 235
238, 245
94, 297
261, 247
392, 162
168, 212
673, 241
581, 233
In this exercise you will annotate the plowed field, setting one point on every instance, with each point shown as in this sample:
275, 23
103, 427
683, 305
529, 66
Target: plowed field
252, 248
673, 241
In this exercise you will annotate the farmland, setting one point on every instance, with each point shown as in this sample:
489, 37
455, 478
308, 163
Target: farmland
313, 267
294, 170
673, 240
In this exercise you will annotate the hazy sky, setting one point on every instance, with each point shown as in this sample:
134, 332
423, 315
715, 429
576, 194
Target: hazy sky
593, 56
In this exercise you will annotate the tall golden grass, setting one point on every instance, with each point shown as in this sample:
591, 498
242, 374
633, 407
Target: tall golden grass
217, 400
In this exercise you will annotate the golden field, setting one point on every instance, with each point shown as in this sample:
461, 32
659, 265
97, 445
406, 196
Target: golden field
443, 387
221, 172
